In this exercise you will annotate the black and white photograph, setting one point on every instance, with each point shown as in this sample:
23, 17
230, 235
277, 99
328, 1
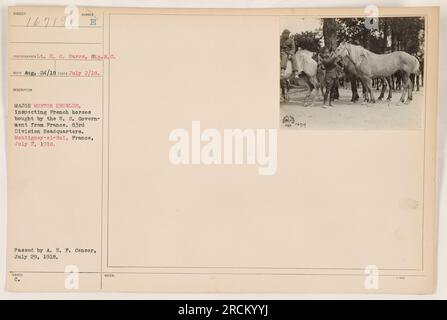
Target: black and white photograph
352, 73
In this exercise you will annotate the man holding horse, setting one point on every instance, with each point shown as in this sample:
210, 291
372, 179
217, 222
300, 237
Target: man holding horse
330, 62
287, 47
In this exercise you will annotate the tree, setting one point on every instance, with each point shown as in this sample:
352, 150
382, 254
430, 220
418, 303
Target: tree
407, 34
352, 30
393, 34
330, 33
309, 40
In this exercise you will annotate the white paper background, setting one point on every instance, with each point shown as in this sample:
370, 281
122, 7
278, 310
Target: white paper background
442, 126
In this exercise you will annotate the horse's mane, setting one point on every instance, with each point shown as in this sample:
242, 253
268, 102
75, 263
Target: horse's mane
356, 52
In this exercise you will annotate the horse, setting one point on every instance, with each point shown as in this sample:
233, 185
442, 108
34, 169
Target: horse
370, 65
351, 74
285, 87
386, 82
307, 70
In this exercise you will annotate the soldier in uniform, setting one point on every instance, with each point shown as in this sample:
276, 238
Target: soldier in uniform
287, 46
329, 62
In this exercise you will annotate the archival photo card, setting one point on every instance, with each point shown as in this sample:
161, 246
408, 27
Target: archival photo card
222, 150
352, 72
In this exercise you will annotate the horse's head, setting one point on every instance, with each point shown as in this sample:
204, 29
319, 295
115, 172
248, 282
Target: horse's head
342, 50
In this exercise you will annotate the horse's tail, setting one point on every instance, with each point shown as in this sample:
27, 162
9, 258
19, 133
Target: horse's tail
417, 66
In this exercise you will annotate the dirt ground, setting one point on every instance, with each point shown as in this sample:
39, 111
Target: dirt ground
347, 115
